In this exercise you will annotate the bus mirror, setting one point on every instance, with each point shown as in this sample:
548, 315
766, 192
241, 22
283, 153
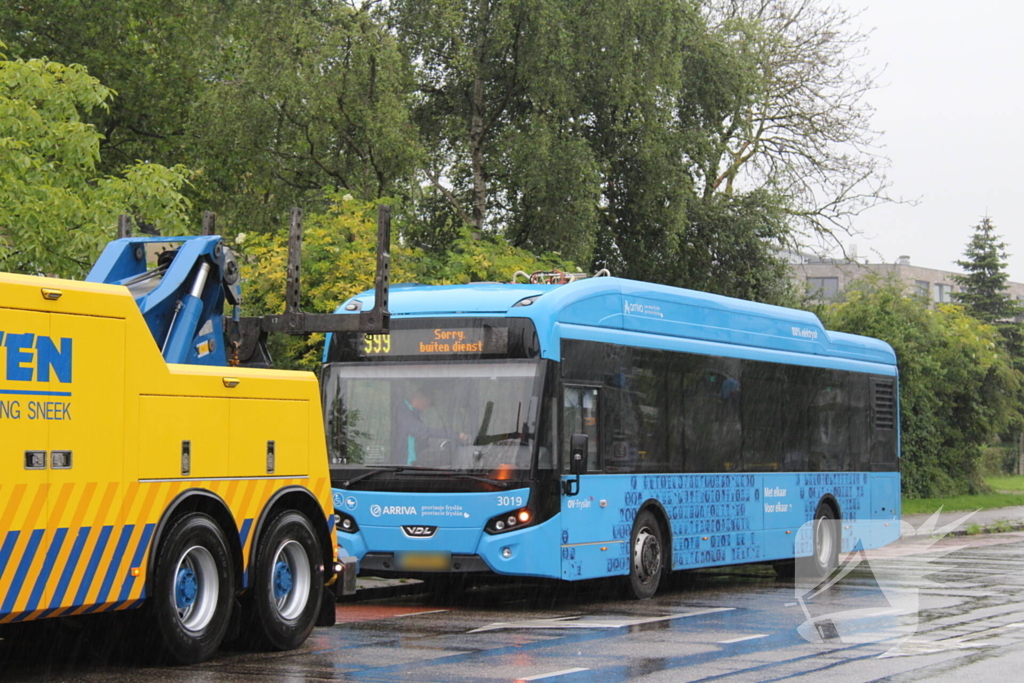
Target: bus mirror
578, 454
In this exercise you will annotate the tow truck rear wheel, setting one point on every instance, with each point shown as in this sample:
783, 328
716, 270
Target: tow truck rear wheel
288, 583
193, 587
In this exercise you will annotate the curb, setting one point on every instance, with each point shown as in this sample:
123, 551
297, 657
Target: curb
1000, 527
382, 590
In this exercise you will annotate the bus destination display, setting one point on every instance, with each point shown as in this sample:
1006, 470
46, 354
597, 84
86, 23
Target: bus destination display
437, 341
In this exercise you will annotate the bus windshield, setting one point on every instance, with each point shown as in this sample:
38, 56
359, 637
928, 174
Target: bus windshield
463, 416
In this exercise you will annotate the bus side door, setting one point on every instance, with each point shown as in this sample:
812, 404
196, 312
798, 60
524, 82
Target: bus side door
594, 519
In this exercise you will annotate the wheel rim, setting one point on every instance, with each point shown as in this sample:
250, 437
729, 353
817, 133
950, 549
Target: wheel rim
646, 555
290, 580
823, 541
196, 588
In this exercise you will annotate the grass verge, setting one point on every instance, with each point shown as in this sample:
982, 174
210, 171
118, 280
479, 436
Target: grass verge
913, 506
1007, 483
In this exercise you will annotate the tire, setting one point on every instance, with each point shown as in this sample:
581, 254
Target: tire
647, 556
288, 583
193, 589
784, 569
827, 538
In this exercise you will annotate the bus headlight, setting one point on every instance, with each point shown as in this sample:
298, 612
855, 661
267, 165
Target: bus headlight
346, 523
509, 521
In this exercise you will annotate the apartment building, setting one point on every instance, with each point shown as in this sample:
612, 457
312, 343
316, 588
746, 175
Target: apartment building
826, 278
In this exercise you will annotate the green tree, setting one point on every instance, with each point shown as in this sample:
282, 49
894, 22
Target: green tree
150, 53
56, 209
803, 128
535, 110
956, 383
983, 293
302, 96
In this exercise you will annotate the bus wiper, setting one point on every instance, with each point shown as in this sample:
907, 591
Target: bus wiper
432, 470
494, 482
387, 468
455, 474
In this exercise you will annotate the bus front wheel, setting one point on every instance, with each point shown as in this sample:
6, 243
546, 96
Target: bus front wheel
288, 583
647, 556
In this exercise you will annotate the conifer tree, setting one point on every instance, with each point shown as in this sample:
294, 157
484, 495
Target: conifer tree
984, 295
983, 288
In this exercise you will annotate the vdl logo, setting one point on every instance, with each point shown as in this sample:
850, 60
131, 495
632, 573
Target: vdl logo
37, 358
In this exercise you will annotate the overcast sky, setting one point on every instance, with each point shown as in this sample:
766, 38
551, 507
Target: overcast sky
951, 107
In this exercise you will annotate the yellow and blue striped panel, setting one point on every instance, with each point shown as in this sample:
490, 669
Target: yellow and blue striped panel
97, 560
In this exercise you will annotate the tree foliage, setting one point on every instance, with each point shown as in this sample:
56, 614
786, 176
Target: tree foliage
956, 383
148, 52
673, 141
583, 127
303, 96
804, 127
56, 209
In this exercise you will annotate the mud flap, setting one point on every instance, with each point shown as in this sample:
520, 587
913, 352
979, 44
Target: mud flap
327, 615
344, 584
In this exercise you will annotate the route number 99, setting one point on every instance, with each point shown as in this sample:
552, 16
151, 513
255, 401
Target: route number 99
376, 344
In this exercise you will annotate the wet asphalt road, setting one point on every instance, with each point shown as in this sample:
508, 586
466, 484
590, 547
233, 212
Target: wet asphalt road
963, 623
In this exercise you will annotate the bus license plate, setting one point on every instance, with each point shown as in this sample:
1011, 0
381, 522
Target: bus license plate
424, 562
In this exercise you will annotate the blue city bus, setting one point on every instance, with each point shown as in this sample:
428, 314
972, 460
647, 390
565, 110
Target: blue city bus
605, 427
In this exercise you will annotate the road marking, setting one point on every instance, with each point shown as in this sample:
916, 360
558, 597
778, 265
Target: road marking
740, 640
416, 614
550, 675
909, 648
584, 622
349, 613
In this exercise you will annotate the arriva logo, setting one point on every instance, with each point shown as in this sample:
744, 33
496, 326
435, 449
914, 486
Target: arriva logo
37, 358
649, 310
377, 510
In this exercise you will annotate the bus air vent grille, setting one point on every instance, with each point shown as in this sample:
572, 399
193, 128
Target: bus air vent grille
885, 405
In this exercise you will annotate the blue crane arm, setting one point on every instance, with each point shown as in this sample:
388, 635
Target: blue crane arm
180, 284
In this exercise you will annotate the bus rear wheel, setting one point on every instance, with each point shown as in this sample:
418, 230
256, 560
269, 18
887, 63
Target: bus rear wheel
193, 589
826, 536
647, 556
288, 583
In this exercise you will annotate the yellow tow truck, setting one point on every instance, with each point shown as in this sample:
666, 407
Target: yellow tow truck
140, 469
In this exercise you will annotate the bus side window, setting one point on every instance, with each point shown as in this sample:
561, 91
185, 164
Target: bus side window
580, 416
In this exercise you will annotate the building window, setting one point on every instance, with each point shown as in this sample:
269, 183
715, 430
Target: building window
823, 288
943, 293
922, 287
